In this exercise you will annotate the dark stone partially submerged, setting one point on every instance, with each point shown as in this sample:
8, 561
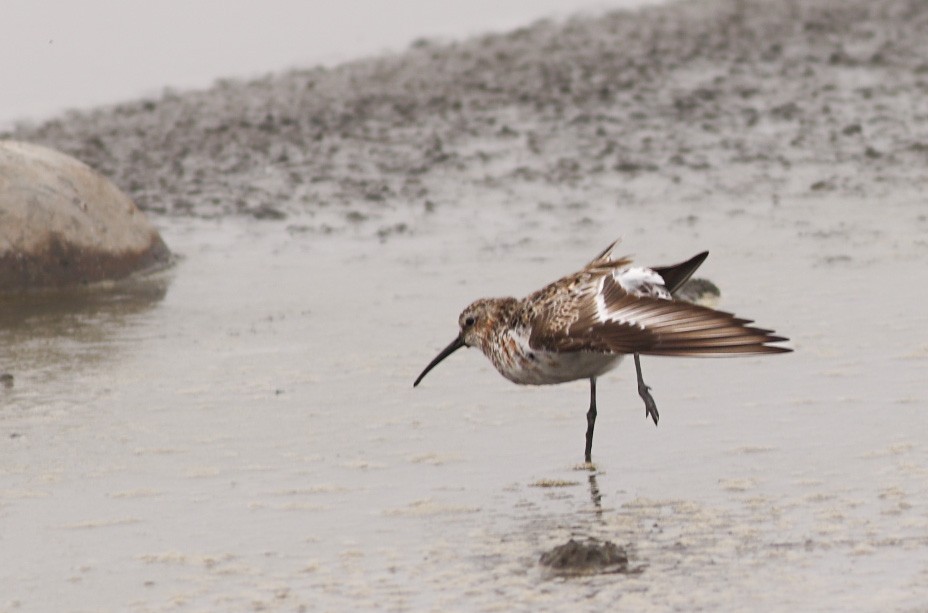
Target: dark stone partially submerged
590, 557
63, 224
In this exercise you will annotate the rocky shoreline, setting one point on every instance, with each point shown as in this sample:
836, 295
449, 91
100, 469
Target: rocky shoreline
756, 99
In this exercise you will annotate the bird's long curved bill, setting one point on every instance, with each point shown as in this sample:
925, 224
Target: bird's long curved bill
454, 346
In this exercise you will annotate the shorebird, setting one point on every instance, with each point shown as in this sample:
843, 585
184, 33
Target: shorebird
581, 326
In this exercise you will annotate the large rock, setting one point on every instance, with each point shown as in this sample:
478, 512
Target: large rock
63, 224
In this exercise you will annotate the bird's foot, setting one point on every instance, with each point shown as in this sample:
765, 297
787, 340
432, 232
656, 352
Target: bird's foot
650, 407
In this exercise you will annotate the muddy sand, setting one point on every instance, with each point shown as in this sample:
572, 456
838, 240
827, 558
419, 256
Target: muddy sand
244, 435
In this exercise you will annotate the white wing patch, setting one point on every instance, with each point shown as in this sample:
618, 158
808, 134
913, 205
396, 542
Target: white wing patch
636, 281
640, 281
607, 313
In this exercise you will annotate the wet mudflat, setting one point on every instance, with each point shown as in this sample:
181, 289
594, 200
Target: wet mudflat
247, 437
243, 433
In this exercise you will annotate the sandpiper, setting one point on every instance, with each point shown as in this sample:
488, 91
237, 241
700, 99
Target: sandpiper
580, 327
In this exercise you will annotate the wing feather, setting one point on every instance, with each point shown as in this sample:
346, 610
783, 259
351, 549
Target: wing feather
614, 321
675, 276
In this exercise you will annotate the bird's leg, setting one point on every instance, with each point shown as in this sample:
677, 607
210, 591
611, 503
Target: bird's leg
650, 408
590, 421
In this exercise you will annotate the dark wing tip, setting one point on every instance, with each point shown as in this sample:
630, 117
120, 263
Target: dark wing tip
676, 275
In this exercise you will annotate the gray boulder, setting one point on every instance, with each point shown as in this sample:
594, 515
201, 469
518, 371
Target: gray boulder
63, 224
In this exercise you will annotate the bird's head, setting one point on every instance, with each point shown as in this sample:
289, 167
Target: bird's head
477, 323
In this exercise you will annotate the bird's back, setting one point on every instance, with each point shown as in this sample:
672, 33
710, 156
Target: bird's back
614, 307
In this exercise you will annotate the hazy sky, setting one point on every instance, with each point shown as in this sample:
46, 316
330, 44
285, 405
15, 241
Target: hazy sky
59, 54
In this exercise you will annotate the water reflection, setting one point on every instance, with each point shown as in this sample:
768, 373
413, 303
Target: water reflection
72, 328
595, 494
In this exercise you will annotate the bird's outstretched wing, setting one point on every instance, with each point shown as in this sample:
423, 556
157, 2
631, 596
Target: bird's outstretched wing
605, 317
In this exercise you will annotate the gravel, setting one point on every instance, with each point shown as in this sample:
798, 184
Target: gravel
758, 99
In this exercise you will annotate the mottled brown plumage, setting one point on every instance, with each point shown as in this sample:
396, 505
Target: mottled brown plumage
580, 326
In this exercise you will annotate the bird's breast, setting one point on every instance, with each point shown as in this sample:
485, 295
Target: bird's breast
517, 361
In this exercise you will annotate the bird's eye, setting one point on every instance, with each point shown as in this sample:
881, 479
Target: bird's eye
470, 321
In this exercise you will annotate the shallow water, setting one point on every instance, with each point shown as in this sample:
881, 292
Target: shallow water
242, 433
